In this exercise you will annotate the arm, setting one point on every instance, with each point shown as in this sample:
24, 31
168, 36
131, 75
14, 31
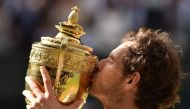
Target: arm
47, 99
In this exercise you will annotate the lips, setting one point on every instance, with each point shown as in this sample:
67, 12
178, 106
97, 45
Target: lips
93, 76
96, 70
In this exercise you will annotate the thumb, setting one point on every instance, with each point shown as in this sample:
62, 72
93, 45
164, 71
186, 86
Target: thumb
78, 104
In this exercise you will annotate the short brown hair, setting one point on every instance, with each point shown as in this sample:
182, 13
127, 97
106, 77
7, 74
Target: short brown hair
157, 60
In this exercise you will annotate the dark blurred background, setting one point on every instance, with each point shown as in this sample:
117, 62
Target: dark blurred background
23, 22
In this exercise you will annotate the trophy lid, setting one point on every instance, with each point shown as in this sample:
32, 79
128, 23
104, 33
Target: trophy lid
69, 33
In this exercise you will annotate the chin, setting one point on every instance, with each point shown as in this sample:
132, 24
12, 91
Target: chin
92, 87
93, 93
92, 90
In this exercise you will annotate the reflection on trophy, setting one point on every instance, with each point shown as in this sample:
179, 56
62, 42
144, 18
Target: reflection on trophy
69, 63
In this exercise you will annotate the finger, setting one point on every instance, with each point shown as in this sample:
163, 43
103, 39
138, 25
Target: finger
33, 86
29, 95
29, 107
41, 87
47, 80
78, 103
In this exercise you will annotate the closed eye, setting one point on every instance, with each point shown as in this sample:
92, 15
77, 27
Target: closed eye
111, 60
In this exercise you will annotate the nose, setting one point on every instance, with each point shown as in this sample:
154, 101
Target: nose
100, 64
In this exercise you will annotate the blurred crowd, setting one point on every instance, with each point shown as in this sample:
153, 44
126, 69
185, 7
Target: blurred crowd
23, 22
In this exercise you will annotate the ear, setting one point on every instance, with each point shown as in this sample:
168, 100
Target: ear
133, 79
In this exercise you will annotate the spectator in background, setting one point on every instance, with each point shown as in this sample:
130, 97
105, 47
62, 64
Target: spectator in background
25, 17
6, 38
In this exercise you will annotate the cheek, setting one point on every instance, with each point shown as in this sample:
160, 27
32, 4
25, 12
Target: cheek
100, 81
104, 75
105, 79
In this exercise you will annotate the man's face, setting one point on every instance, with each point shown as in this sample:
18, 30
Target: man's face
108, 80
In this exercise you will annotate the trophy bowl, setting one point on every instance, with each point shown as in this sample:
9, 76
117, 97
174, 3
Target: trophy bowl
70, 64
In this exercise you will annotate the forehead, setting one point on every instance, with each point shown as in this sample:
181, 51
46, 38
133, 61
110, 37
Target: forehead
122, 48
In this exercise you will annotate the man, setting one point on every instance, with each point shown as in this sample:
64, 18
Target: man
144, 72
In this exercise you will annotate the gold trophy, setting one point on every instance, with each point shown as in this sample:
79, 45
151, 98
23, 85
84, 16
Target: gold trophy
69, 63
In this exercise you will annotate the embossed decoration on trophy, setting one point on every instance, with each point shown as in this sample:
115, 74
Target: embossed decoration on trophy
69, 63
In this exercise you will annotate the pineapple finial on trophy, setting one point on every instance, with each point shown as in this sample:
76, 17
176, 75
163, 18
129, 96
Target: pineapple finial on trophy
74, 15
71, 27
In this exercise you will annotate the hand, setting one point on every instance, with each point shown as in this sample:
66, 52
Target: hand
45, 99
